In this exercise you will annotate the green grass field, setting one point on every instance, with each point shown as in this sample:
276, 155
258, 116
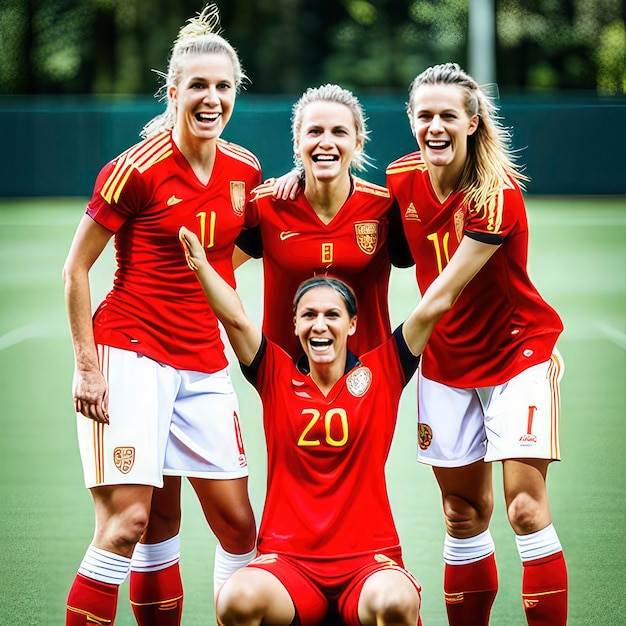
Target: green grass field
577, 259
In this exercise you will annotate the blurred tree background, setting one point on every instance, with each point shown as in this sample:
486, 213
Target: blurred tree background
110, 46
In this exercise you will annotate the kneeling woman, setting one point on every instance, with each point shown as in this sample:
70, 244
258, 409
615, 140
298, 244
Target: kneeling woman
327, 540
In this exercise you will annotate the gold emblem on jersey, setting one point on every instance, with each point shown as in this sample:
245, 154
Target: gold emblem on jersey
286, 234
411, 213
424, 435
367, 236
359, 381
328, 253
171, 201
238, 196
459, 223
383, 558
124, 458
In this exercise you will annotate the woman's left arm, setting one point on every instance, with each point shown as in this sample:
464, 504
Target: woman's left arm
443, 292
244, 336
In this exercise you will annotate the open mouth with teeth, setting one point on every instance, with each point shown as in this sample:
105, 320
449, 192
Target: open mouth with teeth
207, 117
325, 158
438, 144
318, 343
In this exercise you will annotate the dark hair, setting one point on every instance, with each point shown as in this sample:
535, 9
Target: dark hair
326, 281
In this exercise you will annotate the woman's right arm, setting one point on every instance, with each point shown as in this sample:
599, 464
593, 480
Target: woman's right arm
244, 336
90, 388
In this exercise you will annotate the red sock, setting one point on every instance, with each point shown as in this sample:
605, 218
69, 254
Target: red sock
91, 602
157, 597
470, 590
544, 590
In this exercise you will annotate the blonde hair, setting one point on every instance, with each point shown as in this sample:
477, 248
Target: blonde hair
331, 93
199, 35
491, 161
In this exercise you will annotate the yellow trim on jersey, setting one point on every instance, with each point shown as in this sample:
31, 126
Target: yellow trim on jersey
239, 153
492, 212
140, 157
263, 190
407, 163
367, 187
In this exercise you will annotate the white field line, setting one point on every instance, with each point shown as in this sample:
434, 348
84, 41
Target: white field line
614, 335
29, 331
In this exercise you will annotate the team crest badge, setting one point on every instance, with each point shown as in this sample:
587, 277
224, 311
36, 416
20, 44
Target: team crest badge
124, 458
459, 223
367, 236
359, 381
424, 435
238, 196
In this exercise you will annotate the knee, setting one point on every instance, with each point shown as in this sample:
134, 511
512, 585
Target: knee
465, 518
236, 603
526, 514
123, 530
238, 535
396, 604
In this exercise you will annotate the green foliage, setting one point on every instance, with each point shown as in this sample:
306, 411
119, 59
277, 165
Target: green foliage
12, 31
111, 46
611, 59
559, 44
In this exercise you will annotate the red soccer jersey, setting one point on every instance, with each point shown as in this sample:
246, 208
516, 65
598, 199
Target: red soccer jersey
156, 306
298, 245
326, 490
500, 325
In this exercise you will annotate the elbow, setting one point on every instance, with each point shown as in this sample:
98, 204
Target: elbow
434, 310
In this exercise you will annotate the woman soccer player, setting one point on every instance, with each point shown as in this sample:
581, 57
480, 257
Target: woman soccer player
152, 390
334, 223
488, 387
327, 539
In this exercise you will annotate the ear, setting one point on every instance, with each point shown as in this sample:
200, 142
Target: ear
473, 124
352, 327
295, 330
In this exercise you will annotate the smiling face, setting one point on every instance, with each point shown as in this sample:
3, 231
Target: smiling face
327, 140
441, 124
323, 326
204, 97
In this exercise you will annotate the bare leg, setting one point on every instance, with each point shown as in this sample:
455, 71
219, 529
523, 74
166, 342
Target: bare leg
389, 598
121, 517
544, 581
251, 597
470, 579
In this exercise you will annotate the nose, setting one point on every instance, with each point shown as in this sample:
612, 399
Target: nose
436, 124
211, 95
320, 323
326, 140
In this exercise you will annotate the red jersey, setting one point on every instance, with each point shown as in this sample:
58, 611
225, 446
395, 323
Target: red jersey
326, 490
298, 245
500, 325
156, 306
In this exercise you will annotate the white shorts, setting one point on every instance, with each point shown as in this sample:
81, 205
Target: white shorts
163, 421
518, 419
